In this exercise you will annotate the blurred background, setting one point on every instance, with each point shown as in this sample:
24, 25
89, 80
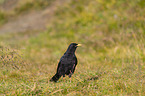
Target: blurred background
34, 34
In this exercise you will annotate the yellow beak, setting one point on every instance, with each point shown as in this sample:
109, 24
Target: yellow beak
79, 45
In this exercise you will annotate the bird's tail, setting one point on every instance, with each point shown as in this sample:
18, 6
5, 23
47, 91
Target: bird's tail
55, 78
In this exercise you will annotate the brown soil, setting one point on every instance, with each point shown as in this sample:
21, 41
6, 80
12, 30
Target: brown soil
36, 20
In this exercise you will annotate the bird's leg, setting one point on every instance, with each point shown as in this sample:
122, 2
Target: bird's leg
63, 77
70, 80
71, 72
70, 75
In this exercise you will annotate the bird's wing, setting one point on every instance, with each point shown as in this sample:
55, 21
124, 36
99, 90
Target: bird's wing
60, 67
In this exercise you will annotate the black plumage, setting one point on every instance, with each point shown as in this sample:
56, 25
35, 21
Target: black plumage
67, 63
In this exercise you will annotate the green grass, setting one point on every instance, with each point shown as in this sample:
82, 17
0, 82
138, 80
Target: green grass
111, 60
3, 17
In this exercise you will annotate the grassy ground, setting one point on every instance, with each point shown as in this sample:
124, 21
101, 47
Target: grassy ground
111, 60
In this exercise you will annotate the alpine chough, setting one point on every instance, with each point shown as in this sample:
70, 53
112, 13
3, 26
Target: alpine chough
67, 63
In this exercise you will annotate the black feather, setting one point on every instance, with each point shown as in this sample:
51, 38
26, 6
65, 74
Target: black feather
55, 77
67, 63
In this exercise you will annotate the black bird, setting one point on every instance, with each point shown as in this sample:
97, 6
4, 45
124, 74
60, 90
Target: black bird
67, 63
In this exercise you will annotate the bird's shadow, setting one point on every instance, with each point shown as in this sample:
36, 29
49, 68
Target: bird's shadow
97, 76
93, 78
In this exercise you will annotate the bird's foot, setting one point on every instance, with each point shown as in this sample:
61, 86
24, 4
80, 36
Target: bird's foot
70, 80
63, 79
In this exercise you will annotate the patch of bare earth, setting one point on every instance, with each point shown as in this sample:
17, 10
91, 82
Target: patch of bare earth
36, 20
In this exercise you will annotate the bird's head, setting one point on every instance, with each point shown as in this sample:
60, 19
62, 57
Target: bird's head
72, 47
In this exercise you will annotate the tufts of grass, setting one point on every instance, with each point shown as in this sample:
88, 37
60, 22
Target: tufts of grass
10, 58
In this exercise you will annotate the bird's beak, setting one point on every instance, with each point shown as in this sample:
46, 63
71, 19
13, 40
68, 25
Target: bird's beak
79, 45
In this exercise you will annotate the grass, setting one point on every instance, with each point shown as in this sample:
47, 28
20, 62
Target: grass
111, 60
3, 17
